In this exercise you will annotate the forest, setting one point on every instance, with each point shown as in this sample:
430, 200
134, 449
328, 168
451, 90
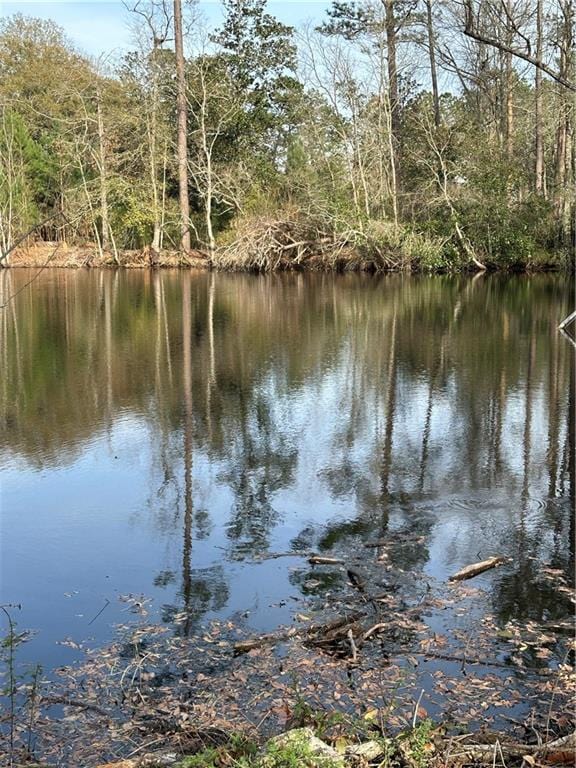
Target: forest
404, 134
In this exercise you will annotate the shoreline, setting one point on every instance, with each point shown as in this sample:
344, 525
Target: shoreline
354, 745
63, 256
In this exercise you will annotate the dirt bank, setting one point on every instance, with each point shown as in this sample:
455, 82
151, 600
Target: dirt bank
51, 254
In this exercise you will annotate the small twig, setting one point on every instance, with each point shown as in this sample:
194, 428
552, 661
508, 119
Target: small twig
416, 708
106, 604
67, 702
4, 254
501, 753
373, 630
42, 268
350, 636
145, 746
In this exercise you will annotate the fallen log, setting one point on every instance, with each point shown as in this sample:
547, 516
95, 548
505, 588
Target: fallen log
312, 632
66, 701
321, 560
338, 623
271, 638
276, 555
337, 637
476, 568
485, 752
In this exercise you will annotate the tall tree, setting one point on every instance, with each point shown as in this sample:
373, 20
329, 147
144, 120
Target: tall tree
182, 109
432, 56
261, 57
538, 105
146, 70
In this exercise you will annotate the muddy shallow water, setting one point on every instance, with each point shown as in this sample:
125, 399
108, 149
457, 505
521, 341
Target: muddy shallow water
164, 431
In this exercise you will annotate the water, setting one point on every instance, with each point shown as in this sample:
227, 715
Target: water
163, 430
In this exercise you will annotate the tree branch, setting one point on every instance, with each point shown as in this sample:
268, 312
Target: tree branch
469, 31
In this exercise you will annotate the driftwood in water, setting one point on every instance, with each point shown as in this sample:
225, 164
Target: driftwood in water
346, 632
321, 560
244, 646
276, 555
313, 559
315, 633
334, 640
330, 626
476, 568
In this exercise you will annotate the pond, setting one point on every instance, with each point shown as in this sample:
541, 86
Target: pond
164, 432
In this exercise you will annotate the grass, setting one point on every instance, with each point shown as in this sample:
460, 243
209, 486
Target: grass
412, 749
297, 754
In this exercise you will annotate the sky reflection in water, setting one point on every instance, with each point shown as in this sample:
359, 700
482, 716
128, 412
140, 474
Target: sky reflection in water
161, 430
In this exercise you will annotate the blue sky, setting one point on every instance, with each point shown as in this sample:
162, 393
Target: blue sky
103, 27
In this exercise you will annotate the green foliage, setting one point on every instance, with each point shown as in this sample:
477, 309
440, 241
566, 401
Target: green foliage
268, 137
208, 758
26, 176
258, 47
417, 744
260, 56
20, 689
244, 754
509, 234
238, 750
296, 754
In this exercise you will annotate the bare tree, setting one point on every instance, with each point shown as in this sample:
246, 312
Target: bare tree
540, 182
564, 197
214, 105
432, 55
103, 166
471, 30
157, 21
182, 129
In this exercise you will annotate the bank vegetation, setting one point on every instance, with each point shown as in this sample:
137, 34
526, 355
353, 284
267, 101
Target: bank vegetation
402, 134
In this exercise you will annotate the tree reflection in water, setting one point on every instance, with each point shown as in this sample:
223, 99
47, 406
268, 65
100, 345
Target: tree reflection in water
306, 411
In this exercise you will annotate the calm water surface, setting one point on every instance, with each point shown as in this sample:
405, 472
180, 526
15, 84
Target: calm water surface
162, 430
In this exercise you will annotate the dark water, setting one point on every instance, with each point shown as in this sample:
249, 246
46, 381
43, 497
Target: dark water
162, 430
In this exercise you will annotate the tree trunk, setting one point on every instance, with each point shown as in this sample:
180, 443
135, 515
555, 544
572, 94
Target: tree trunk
104, 218
182, 130
509, 116
391, 42
207, 150
153, 148
539, 128
563, 172
432, 54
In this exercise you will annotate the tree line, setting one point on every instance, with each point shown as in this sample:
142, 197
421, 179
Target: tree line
433, 134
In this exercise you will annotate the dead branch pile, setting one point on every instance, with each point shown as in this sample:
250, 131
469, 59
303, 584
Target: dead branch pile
270, 244
343, 636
